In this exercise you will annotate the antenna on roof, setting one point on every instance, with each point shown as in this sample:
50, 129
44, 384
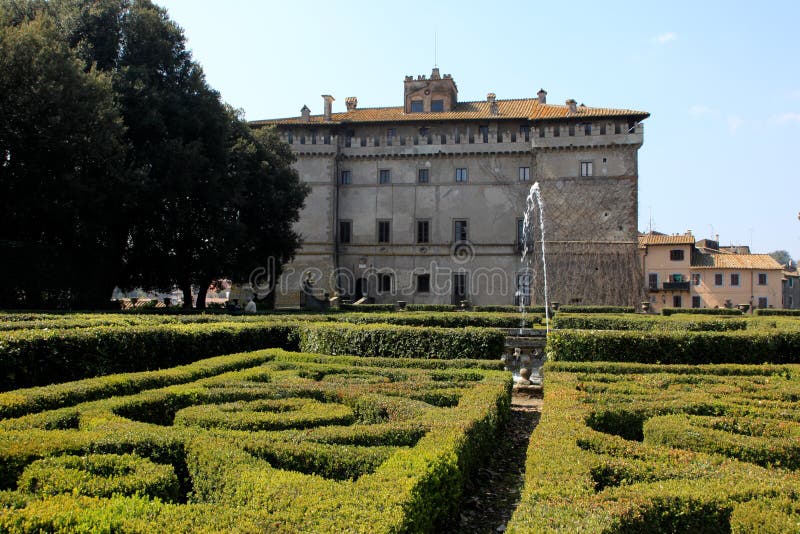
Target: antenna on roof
435, 50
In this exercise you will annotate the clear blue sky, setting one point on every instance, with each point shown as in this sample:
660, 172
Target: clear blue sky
720, 79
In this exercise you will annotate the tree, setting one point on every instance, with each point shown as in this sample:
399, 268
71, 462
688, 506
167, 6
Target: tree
166, 187
61, 140
781, 256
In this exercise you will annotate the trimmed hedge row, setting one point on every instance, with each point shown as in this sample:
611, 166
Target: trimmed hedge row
367, 307
674, 347
99, 475
442, 319
764, 312
579, 479
404, 473
32, 358
508, 309
431, 307
596, 309
646, 322
701, 311
402, 341
39, 357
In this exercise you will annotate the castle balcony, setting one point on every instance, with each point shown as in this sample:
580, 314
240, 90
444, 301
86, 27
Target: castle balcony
468, 142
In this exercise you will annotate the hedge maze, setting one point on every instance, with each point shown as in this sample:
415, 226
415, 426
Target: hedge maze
655, 425
263, 441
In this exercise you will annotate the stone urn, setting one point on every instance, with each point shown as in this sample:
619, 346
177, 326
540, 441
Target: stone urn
525, 373
645, 306
743, 307
401, 305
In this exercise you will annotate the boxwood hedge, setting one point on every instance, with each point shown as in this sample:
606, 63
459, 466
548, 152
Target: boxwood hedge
583, 478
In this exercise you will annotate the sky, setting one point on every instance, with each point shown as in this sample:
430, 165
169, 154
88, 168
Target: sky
721, 80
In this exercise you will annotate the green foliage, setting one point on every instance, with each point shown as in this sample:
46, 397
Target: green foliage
367, 307
766, 312
390, 464
442, 319
99, 475
701, 311
596, 309
431, 307
30, 358
586, 321
586, 471
508, 309
401, 341
760, 346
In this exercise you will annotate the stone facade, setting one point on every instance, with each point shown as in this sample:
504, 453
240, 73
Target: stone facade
423, 202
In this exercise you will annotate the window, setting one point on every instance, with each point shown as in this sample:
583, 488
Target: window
524, 174
422, 176
345, 231
676, 254
521, 234
391, 132
571, 130
541, 131
718, 279
459, 287
290, 137
603, 129
695, 279
384, 231
461, 175
762, 279
423, 231
677, 277
791, 282
523, 293
437, 105
424, 131
384, 283
652, 281
617, 129
384, 176
459, 230
586, 168
525, 132
556, 131
346, 178
734, 279
587, 129
483, 131
762, 302
695, 301
423, 283
676, 301
416, 106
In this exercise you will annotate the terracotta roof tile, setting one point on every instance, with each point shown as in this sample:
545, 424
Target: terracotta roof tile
660, 239
735, 261
526, 109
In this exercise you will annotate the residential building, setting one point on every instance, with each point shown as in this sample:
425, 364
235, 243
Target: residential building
682, 273
431, 193
791, 287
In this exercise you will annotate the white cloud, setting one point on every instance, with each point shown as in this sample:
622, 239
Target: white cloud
664, 38
734, 123
699, 109
786, 118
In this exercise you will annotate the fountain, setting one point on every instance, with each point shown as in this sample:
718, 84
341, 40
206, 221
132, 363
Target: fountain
521, 364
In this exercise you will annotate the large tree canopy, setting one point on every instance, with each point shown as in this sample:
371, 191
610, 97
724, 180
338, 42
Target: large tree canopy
121, 165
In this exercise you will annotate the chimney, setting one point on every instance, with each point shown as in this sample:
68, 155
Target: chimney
491, 98
542, 94
351, 103
572, 105
328, 105
306, 114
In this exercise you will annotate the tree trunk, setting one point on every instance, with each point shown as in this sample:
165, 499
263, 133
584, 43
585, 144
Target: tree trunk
186, 287
202, 292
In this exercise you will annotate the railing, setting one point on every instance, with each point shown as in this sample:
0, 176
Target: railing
677, 286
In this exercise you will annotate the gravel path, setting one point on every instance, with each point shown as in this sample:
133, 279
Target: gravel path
491, 498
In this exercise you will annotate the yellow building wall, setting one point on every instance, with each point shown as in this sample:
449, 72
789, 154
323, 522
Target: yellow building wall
747, 292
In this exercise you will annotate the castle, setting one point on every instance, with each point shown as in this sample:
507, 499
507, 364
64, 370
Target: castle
423, 202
